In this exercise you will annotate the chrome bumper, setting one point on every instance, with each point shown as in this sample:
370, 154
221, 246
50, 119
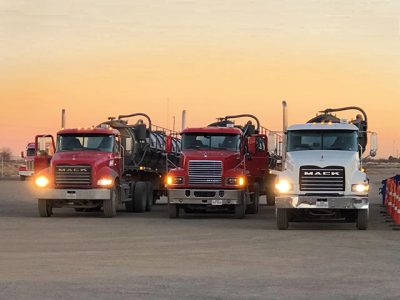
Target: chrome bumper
321, 202
226, 197
73, 194
26, 173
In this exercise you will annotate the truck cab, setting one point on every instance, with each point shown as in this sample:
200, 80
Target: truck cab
220, 168
82, 172
323, 177
27, 170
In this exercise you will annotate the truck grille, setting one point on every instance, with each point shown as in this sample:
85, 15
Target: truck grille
73, 175
205, 171
327, 179
29, 165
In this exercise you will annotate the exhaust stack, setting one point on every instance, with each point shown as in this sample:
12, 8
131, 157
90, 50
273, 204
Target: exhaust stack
183, 119
63, 118
284, 137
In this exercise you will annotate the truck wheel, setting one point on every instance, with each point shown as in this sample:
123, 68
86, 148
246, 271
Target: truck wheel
362, 219
22, 178
270, 197
255, 199
130, 205
149, 194
282, 220
140, 197
110, 205
173, 211
45, 208
240, 209
270, 190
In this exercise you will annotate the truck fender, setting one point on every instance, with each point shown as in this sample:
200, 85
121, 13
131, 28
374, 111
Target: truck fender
107, 172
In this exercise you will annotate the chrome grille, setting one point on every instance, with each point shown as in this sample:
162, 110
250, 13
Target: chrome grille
327, 179
205, 171
29, 165
73, 175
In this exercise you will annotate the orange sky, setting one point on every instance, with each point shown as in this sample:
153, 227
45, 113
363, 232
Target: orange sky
104, 58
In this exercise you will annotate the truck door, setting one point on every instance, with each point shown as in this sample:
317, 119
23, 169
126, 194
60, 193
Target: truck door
257, 163
45, 148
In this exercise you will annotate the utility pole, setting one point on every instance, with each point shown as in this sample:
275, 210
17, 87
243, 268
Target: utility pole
2, 165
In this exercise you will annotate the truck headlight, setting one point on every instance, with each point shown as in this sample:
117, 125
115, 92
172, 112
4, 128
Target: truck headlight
42, 181
104, 182
360, 188
283, 186
240, 181
174, 180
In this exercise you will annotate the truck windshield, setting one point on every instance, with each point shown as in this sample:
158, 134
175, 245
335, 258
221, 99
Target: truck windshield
300, 140
94, 142
205, 141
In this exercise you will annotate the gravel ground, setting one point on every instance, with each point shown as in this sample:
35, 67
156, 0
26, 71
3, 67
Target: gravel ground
141, 256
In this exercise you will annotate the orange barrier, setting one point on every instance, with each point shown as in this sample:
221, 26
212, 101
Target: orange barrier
392, 199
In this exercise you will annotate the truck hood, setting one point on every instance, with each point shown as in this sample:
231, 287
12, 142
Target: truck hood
322, 158
230, 159
80, 158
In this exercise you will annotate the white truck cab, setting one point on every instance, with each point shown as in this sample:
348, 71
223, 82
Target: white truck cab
322, 176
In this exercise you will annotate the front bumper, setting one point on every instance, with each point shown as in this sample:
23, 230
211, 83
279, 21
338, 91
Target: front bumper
26, 173
196, 196
322, 202
73, 194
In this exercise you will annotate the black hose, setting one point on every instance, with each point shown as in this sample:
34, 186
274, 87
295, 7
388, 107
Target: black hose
244, 116
135, 115
330, 110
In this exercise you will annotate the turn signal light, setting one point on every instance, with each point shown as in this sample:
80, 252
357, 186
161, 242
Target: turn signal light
104, 182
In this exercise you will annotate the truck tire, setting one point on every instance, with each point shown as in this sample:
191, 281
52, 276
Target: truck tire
362, 219
149, 194
173, 211
130, 205
240, 209
270, 190
255, 199
22, 178
45, 208
282, 218
270, 198
110, 205
140, 197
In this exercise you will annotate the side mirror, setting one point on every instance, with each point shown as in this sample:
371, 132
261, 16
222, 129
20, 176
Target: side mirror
22, 154
252, 145
374, 144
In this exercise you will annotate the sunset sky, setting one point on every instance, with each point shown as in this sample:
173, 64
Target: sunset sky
103, 58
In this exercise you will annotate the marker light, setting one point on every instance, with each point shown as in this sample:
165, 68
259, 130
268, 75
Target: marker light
104, 182
240, 181
169, 180
360, 188
42, 181
283, 186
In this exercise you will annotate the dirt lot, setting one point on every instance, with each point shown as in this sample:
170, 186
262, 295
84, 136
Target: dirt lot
137, 256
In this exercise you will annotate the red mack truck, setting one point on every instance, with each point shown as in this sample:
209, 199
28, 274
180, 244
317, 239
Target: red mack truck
226, 166
27, 170
116, 163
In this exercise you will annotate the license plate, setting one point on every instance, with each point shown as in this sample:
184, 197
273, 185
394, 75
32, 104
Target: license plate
216, 202
322, 204
71, 195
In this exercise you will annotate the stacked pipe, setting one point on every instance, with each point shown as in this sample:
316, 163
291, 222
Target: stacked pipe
391, 198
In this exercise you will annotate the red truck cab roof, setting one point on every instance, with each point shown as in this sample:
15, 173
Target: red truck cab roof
213, 130
89, 130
